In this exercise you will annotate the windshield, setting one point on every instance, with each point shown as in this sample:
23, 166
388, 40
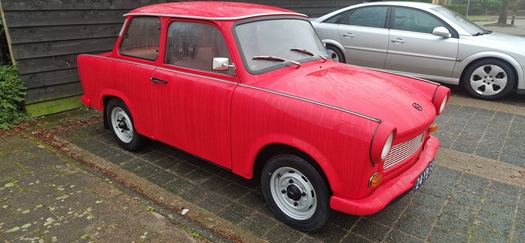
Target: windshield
270, 44
461, 20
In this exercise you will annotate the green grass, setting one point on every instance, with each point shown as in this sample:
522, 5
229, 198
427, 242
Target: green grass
479, 19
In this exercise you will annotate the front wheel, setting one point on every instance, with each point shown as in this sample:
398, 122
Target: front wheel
336, 54
122, 126
296, 192
489, 79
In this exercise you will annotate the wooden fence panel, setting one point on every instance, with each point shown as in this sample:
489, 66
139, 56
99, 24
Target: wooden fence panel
46, 64
46, 36
58, 48
25, 5
60, 33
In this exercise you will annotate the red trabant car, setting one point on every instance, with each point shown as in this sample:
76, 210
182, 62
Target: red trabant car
251, 88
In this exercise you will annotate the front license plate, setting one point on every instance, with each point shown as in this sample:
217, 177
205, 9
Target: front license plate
423, 177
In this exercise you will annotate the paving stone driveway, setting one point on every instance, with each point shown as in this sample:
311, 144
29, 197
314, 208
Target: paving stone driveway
454, 205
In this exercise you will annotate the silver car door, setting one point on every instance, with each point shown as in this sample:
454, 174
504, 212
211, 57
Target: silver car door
412, 47
364, 35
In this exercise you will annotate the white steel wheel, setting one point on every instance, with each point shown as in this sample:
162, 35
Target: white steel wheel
296, 192
293, 193
122, 127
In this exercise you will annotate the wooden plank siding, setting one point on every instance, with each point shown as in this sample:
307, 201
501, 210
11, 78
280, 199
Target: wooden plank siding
46, 36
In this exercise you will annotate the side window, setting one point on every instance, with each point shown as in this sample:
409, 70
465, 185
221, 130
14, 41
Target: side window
415, 20
367, 16
194, 45
142, 38
336, 18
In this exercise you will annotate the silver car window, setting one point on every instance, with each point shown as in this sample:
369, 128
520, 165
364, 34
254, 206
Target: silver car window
415, 20
460, 20
367, 16
336, 18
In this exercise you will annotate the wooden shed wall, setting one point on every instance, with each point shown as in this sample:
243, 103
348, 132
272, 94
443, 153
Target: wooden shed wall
46, 36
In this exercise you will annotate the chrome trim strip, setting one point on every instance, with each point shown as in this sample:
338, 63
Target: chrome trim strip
217, 18
123, 28
120, 60
313, 102
410, 75
197, 75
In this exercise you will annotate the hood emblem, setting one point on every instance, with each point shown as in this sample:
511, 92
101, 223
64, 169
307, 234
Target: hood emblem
417, 106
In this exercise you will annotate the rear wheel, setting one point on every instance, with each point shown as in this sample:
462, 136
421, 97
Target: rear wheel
489, 79
336, 54
296, 192
122, 126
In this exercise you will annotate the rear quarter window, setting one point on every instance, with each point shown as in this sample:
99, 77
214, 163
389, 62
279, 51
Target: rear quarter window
142, 38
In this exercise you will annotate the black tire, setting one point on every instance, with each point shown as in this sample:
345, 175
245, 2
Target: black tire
336, 54
489, 79
122, 127
296, 192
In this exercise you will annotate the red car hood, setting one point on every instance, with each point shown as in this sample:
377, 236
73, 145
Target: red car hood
384, 96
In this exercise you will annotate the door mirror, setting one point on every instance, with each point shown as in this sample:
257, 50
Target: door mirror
222, 64
441, 31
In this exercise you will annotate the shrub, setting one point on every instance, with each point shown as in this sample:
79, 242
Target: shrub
11, 97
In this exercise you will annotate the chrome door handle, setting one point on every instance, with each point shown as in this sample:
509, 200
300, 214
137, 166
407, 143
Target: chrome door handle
348, 35
156, 80
398, 41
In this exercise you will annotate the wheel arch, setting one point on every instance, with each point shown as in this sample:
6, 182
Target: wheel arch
513, 64
271, 150
338, 45
109, 96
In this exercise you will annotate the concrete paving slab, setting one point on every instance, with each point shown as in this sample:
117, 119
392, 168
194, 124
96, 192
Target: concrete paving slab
45, 196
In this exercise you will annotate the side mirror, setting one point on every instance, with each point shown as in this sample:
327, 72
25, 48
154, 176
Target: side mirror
441, 31
221, 64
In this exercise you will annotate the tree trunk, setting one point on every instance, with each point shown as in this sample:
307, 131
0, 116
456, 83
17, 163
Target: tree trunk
504, 12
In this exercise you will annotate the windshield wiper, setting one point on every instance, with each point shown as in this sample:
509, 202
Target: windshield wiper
484, 32
307, 52
278, 59
302, 51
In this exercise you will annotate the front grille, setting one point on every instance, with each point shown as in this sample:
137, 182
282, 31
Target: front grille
402, 151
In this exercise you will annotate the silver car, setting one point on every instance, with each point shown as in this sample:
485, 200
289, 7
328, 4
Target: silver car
426, 41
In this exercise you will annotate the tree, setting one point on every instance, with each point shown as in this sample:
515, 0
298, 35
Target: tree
503, 15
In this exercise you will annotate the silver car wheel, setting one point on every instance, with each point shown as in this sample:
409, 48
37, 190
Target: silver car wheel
488, 80
333, 55
121, 124
293, 193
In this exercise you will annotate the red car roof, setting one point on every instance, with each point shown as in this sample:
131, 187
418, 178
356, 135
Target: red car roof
212, 10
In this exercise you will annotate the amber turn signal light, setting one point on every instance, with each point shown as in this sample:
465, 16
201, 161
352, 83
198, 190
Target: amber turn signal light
375, 180
433, 128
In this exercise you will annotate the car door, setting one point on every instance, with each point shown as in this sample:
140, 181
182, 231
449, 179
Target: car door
138, 54
412, 48
364, 35
193, 103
